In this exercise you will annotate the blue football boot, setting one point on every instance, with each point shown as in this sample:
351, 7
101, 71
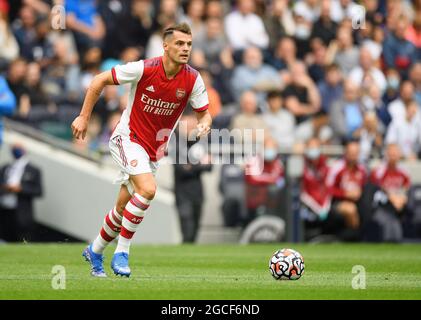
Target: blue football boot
120, 264
96, 261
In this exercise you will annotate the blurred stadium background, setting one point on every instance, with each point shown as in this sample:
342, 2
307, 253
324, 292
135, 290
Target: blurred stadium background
338, 70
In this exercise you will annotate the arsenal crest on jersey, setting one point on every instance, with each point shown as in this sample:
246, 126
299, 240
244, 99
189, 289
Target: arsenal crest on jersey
180, 93
133, 163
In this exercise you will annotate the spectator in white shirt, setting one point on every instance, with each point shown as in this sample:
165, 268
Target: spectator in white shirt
244, 28
406, 132
308, 9
366, 74
342, 9
280, 121
397, 107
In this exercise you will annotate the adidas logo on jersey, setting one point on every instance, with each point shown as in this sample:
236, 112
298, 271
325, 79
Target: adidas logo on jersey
150, 88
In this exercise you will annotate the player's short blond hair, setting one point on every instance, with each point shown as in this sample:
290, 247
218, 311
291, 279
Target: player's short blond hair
181, 27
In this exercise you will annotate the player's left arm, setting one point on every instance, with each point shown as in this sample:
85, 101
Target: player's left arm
200, 102
204, 122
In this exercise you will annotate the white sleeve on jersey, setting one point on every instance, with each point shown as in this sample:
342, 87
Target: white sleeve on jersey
129, 72
199, 96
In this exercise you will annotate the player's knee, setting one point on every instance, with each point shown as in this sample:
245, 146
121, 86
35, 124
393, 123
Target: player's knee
148, 191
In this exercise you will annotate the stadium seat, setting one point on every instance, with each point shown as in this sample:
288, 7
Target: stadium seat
233, 192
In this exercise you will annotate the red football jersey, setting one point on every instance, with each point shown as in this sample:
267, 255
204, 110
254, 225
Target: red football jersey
259, 176
269, 172
341, 178
314, 190
156, 103
390, 179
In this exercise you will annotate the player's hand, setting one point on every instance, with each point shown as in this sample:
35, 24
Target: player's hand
202, 130
80, 127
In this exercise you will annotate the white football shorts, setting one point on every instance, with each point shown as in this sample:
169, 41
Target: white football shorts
131, 158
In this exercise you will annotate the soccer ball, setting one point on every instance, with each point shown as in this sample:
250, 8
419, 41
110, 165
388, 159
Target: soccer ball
286, 264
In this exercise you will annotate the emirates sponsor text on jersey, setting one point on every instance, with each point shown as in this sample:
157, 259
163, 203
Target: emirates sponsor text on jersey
158, 106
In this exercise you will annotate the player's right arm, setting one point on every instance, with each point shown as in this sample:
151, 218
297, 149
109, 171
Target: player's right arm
130, 72
80, 124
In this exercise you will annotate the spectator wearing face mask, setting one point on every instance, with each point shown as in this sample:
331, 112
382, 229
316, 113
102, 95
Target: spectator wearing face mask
20, 183
393, 80
303, 28
264, 177
315, 197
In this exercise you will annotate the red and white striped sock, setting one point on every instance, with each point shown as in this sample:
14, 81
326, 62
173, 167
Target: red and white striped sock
109, 231
132, 216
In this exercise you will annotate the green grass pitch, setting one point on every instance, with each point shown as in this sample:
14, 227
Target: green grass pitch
200, 272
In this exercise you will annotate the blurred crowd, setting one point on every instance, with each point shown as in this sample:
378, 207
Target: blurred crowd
323, 68
334, 70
